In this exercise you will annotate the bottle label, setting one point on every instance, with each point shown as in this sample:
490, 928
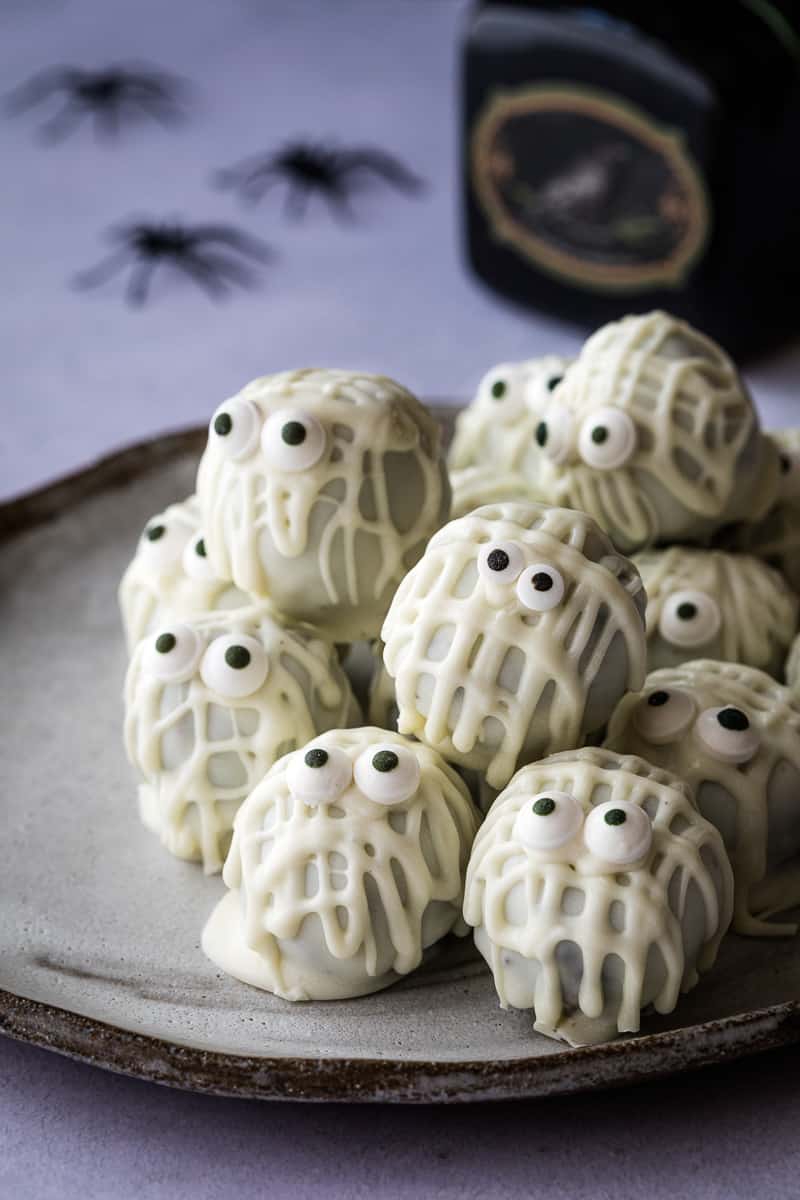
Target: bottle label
589, 188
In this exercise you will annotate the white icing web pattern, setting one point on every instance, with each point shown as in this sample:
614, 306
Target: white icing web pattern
369, 873
201, 752
698, 437
635, 915
349, 526
490, 684
775, 716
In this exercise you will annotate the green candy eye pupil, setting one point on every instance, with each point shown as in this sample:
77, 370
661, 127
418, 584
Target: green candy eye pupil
237, 657
316, 757
200, 548
599, 435
687, 611
293, 433
544, 806
615, 816
223, 424
734, 719
166, 642
498, 389
656, 699
155, 532
542, 582
553, 382
385, 760
541, 433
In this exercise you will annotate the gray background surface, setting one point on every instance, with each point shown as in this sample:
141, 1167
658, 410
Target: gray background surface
82, 373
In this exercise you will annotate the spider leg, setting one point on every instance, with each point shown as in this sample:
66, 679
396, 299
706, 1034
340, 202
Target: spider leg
46, 83
107, 121
102, 271
339, 203
205, 272
251, 178
139, 282
380, 165
295, 204
63, 123
161, 109
226, 235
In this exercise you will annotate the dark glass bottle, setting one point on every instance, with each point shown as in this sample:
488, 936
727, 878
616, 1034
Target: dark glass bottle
638, 154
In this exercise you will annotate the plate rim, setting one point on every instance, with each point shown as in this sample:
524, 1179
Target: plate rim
350, 1080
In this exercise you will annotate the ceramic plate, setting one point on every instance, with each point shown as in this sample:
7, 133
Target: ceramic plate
99, 938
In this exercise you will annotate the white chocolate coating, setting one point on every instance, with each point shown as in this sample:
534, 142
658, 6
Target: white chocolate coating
498, 428
203, 735
327, 524
167, 575
653, 433
589, 925
709, 604
476, 486
745, 780
776, 537
340, 896
492, 674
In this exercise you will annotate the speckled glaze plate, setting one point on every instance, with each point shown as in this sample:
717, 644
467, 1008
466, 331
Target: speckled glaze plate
100, 930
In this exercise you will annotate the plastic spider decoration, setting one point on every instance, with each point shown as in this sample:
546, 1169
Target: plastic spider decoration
308, 169
212, 256
114, 96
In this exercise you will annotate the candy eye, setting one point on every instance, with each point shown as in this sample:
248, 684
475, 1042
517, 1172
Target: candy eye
319, 775
234, 665
387, 773
689, 618
663, 716
728, 734
554, 433
292, 440
234, 427
161, 545
173, 654
540, 588
196, 562
618, 832
500, 562
607, 439
548, 821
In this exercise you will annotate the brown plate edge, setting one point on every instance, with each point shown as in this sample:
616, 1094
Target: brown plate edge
348, 1080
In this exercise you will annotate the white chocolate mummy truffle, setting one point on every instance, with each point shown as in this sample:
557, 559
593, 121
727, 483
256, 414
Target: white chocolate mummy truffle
653, 433
211, 703
347, 863
475, 486
596, 889
709, 604
776, 537
171, 573
498, 428
514, 636
733, 734
319, 489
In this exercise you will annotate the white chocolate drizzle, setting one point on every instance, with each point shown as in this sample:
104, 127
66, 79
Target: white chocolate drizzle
200, 751
749, 794
609, 912
376, 870
500, 684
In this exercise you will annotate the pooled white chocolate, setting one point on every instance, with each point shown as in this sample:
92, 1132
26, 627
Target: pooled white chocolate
498, 428
347, 863
596, 889
653, 433
319, 489
514, 636
709, 604
211, 703
733, 734
475, 486
776, 537
171, 573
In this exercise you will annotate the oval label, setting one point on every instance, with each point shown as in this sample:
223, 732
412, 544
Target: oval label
589, 188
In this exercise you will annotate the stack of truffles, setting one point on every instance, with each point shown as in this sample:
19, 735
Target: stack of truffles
578, 749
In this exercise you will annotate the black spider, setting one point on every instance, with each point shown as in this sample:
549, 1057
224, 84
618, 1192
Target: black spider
114, 96
307, 168
211, 255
